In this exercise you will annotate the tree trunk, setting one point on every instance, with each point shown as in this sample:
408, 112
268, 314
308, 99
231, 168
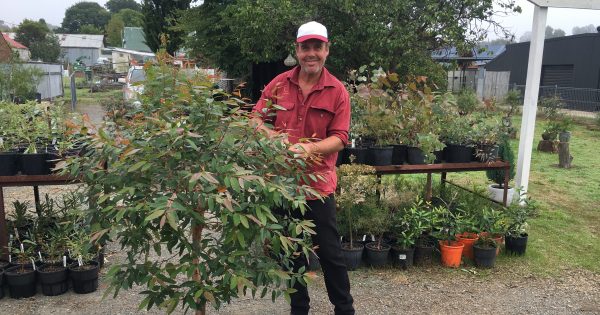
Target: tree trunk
564, 156
196, 238
547, 146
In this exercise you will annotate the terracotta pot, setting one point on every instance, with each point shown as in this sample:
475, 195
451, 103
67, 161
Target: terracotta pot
467, 239
451, 252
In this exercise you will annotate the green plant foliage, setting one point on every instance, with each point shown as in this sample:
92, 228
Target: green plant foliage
115, 6
188, 178
505, 153
42, 44
18, 81
467, 101
518, 214
409, 223
84, 13
160, 18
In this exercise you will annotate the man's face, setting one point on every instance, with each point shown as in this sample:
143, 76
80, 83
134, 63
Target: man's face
311, 55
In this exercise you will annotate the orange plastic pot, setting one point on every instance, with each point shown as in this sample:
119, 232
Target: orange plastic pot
498, 238
451, 253
467, 239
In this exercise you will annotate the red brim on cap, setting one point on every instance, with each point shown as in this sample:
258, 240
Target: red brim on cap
307, 37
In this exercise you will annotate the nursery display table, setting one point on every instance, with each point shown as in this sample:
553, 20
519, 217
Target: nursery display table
25, 180
445, 168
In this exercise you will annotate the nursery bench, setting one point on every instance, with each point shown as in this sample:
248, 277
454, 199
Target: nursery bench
445, 168
25, 180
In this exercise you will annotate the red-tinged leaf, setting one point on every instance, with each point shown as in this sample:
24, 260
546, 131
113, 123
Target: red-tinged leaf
228, 205
162, 221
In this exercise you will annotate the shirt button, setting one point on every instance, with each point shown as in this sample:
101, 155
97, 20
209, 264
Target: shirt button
299, 117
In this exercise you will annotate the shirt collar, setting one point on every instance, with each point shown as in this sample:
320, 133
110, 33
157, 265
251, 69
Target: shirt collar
325, 80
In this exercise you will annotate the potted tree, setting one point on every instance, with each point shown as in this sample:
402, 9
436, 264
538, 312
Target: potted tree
450, 249
496, 190
456, 135
53, 273
20, 220
357, 186
83, 272
376, 222
21, 277
485, 252
485, 134
491, 224
517, 215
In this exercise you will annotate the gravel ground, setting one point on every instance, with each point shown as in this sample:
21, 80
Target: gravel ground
433, 290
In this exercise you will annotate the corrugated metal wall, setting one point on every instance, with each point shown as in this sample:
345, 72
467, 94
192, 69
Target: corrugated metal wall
51, 84
70, 55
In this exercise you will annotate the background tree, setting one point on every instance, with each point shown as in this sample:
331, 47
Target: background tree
91, 29
42, 44
584, 29
131, 17
84, 13
160, 17
397, 35
114, 31
552, 33
114, 6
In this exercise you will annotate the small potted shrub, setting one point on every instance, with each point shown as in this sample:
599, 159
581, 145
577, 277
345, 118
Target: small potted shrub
491, 224
456, 135
83, 272
467, 101
551, 112
53, 273
376, 222
21, 277
20, 221
517, 215
496, 190
450, 249
407, 225
512, 100
485, 133
564, 128
485, 252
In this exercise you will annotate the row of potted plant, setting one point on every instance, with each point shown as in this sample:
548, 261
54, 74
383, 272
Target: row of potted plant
396, 121
407, 233
54, 249
32, 138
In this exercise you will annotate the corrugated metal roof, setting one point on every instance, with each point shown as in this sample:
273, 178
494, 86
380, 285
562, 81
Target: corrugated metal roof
81, 40
133, 38
13, 43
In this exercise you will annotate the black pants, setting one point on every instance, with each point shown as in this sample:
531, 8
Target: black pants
329, 250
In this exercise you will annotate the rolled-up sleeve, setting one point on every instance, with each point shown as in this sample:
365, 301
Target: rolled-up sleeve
340, 123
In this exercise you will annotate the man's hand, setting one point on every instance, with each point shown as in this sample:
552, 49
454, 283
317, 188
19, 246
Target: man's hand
305, 149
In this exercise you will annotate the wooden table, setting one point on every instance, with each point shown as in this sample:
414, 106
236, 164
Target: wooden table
443, 169
25, 180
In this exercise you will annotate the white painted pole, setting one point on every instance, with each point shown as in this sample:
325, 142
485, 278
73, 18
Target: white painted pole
534, 70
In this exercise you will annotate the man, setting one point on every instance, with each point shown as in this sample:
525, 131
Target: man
317, 107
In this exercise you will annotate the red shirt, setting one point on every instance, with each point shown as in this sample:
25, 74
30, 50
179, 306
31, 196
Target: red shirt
324, 113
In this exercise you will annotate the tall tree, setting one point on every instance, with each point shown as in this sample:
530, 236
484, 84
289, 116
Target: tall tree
584, 29
83, 13
114, 31
552, 33
397, 35
131, 17
42, 44
161, 17
114, 6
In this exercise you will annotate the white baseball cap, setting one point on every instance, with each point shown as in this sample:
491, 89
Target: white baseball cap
312, 30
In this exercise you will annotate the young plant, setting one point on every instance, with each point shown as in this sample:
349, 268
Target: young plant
22, 253
505, 153
517, 215
20, 220
409, 223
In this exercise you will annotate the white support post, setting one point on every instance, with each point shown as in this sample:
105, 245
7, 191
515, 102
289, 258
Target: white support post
534, 70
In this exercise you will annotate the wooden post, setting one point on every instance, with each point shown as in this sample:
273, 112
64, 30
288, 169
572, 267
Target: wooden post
428, 189
564, 155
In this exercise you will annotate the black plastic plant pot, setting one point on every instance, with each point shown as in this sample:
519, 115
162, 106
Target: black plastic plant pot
8, 164
399, 154
377, 257
352, 255
415, 155
84, 278
403, 258
342, 157
34, 164
21, 281
516, 244
486, 153
458, 153
360, 155
379, 156
53, 279
484, 257
423, 255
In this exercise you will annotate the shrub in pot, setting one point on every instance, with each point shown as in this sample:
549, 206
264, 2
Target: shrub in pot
496, 190
551, 107
20, 220
450, 249
408, 224
485, 251
485, 133
376, 222
517, 215
423, 148
84, 271
53, 273
467, 101
512, 99
21, 278
456, 135
491, 224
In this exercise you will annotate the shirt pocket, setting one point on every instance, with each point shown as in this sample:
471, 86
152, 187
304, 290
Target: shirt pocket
285, 114
318, 120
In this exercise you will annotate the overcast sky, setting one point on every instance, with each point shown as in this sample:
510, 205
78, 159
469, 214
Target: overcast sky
14, 11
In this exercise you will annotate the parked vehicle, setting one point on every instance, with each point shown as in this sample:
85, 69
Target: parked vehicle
133, 83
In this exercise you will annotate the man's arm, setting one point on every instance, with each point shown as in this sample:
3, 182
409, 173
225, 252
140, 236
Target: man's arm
324, 147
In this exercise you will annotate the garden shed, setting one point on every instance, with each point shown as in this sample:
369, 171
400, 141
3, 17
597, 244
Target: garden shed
84, 46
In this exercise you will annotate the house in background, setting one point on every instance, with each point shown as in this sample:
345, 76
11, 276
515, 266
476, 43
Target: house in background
85, 46
134, 39
570, 68
9, 46
122, 58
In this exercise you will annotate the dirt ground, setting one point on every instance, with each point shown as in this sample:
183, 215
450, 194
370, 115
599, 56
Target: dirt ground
420, 290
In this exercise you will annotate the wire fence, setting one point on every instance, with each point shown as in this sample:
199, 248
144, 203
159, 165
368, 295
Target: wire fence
579, 99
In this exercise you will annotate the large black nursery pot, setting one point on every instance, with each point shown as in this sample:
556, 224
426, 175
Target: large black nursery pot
53, 279
84, 278
486, 153
424, 250
352, 255
379, 156
21, 281
402, 257
34, 164
516, 244
458, 153
377, 257
360, 155
399, 154
342, 157
485, 257
415, 155
8, 164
